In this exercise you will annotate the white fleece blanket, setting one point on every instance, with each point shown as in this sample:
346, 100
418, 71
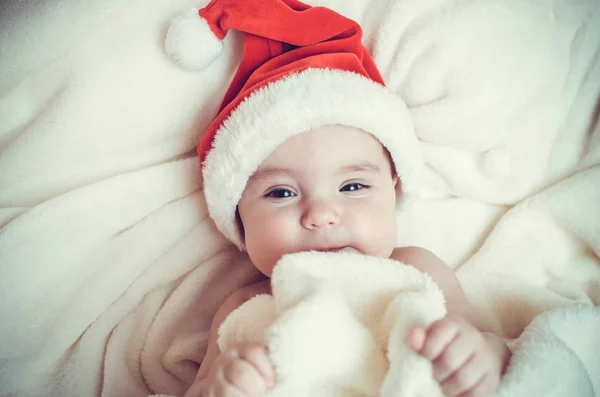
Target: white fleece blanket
110, 270
337, 323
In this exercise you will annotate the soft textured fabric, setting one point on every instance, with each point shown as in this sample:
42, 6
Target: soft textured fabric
111, 270
337, 323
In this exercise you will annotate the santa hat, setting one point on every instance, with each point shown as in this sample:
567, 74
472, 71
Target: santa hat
303, 68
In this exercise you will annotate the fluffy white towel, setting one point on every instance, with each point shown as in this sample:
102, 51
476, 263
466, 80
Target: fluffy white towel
337, 325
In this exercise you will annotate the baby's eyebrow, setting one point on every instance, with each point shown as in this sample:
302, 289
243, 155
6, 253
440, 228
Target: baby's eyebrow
268, 173
366, 167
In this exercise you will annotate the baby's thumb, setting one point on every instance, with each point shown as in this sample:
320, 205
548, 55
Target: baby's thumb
416, 338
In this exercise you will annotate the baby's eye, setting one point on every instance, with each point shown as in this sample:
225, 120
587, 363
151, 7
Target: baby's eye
280, 193
352, 187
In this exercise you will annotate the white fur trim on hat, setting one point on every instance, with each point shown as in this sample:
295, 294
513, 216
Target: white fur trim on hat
294, 104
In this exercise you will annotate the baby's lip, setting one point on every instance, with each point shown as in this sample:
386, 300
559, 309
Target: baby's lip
329, 249
336, 249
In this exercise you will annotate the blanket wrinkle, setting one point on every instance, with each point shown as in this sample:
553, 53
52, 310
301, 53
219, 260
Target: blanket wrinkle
55, 239
55, 33
492, 122
75, 128
432, 223
568, 270
556, 345
166, 360
36, 94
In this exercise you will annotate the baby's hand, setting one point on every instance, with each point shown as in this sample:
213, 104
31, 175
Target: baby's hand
464, 363
245, 370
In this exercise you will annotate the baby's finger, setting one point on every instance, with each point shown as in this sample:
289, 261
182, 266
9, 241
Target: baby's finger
195, 390
485, 387
416, 338
439, 335
224, 389
244, 377
259, 358
456, 354
465, 378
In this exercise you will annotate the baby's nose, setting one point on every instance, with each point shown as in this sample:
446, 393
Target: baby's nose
321, 214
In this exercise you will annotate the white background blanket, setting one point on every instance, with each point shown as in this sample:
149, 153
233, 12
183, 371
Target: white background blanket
110, 270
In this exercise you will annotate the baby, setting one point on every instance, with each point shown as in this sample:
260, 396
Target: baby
310, 151
311, 193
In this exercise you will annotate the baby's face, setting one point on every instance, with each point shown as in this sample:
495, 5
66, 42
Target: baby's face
328, 189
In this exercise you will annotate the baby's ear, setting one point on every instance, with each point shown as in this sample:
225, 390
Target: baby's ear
396, 180
240, 225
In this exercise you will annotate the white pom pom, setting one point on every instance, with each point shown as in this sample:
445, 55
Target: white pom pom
190, 43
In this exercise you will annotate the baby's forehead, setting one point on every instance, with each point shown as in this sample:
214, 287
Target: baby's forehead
267, 172
324, 152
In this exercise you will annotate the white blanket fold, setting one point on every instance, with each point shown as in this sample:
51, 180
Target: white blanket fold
556, 355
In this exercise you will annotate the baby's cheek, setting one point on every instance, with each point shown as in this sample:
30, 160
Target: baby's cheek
275, 242
377, 230
269, 243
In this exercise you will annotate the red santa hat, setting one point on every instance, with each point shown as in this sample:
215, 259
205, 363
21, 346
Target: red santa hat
303, 68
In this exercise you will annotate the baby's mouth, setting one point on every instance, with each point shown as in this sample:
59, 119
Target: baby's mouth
338, 249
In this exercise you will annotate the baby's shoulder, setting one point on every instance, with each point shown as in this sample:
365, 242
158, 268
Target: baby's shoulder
414, 255
237, 299
246, 293
427, 262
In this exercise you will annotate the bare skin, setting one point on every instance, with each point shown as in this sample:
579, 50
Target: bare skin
312, 193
